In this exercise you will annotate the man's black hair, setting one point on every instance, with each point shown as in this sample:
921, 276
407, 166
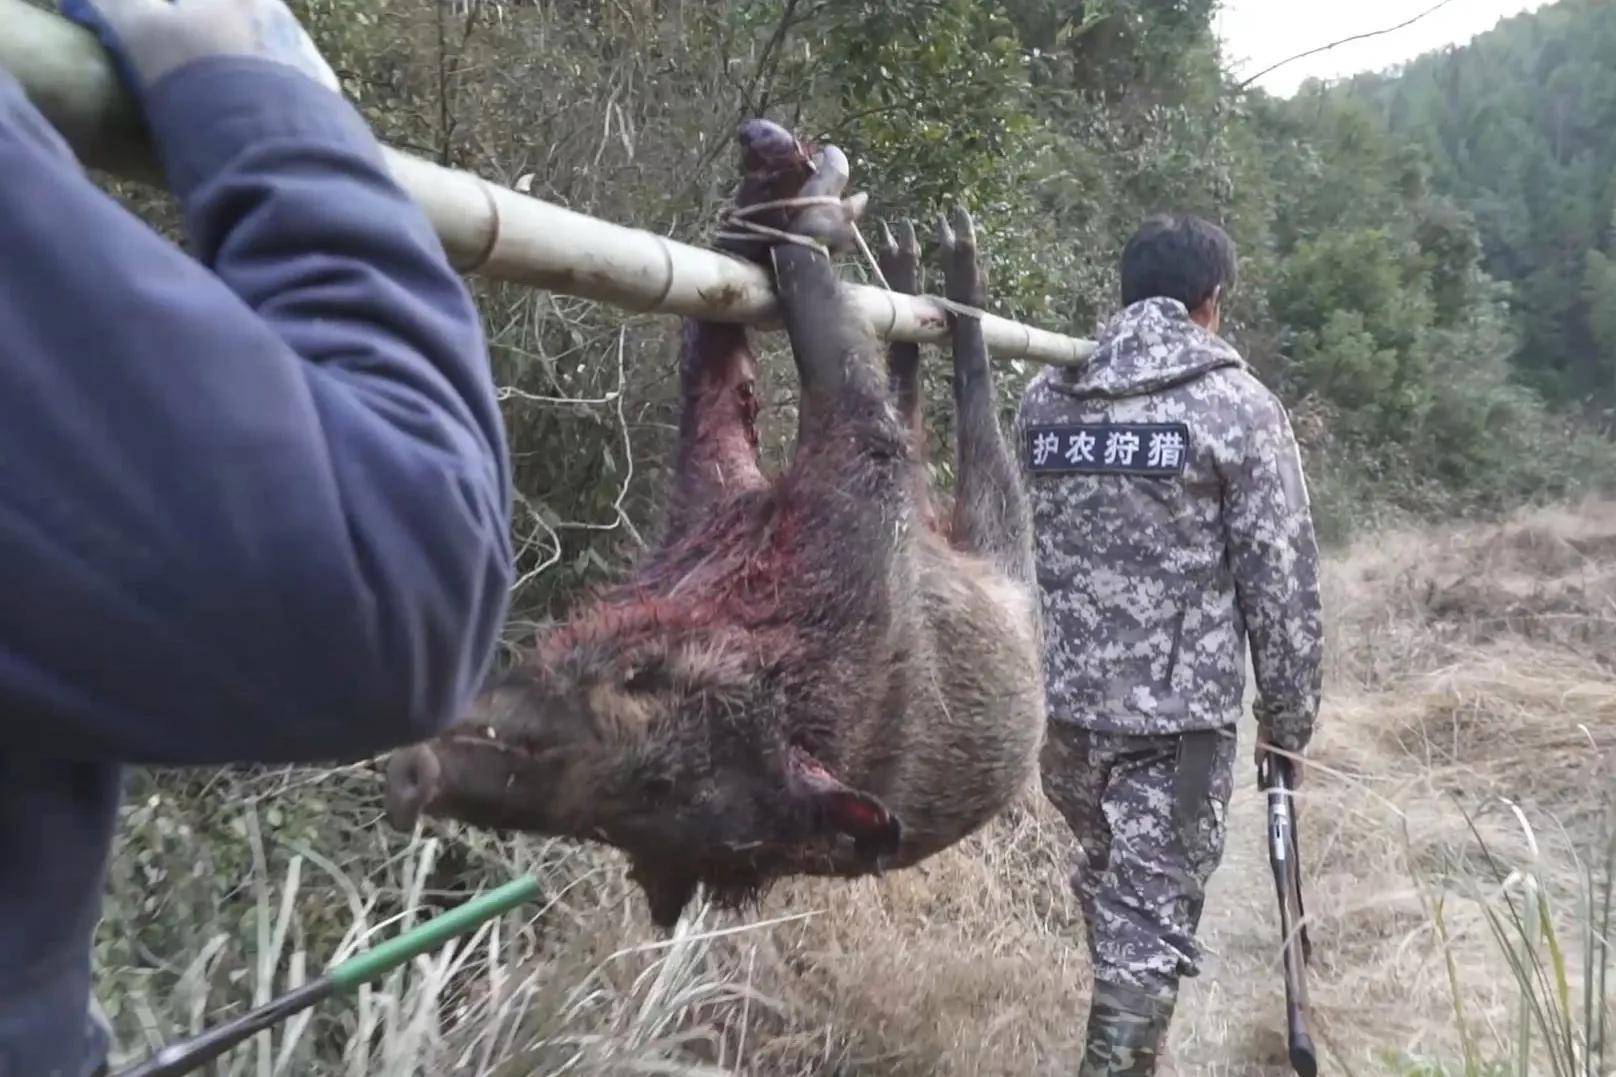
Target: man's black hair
1177, 256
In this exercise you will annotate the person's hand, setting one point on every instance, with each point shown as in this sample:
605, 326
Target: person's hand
1263, 754
150, 38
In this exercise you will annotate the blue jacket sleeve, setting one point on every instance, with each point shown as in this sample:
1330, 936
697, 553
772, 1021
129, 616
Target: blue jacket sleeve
253, 504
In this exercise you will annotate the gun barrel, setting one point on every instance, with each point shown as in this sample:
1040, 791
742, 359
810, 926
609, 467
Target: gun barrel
1282, 857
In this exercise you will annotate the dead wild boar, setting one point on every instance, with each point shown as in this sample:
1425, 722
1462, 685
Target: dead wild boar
808, 675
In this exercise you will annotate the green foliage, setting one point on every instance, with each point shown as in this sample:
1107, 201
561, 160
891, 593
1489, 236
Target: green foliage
1449, 256
1374, 220
1347, 297
1390, 324
1518, 126
1423, 257
1599, 300
929, 98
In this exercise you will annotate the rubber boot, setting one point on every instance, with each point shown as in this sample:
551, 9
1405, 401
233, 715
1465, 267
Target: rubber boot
1126, 1029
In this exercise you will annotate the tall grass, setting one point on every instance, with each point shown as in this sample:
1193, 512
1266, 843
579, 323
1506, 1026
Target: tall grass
1557, 1029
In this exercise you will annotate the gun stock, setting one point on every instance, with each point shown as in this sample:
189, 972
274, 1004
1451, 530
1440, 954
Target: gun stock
1277, 784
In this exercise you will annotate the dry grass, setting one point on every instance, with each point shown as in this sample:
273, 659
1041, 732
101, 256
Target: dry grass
1466, 666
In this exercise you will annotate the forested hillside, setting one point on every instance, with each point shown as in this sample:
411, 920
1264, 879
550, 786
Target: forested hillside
1520, 130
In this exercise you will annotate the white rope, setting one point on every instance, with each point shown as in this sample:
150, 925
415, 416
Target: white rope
751, 231
869, 258
963, 309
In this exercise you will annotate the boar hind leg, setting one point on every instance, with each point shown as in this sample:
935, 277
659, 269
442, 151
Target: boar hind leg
991, 514
718, 443
899, 257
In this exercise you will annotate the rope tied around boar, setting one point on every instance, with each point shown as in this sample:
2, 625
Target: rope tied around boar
751, 231
744, 229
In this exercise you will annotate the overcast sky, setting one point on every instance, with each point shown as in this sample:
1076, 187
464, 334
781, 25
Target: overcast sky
1257, 33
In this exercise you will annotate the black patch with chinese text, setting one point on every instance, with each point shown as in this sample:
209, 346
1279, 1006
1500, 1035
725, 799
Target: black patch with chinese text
1149, 450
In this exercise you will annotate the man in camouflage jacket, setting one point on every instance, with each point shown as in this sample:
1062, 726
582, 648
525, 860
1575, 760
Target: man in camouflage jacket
1172, 522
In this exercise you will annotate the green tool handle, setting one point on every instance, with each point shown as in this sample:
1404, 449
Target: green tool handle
365, 967
189, 1055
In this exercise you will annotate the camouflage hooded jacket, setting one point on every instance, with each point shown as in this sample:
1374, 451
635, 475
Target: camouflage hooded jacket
1172, 521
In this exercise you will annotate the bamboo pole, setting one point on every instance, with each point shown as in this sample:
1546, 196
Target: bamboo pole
486, 229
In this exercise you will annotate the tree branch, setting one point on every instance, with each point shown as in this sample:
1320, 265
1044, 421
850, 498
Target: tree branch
1344, 41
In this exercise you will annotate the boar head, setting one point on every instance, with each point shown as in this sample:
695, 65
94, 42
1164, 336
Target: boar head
671, 746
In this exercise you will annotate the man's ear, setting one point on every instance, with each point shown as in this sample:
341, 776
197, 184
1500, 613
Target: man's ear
1209, 313
838, 807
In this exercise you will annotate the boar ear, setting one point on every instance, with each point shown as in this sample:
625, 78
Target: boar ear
874, 830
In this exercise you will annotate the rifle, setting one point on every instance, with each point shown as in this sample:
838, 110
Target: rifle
1275, 776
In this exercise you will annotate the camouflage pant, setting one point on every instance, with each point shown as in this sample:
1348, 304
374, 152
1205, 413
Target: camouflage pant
1149, 813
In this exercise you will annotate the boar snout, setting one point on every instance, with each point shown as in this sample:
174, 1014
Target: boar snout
412, 781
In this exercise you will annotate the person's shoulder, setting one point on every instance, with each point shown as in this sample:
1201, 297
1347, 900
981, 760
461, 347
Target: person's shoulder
1234, 414
1037, 390
1039, 382
1237, 391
